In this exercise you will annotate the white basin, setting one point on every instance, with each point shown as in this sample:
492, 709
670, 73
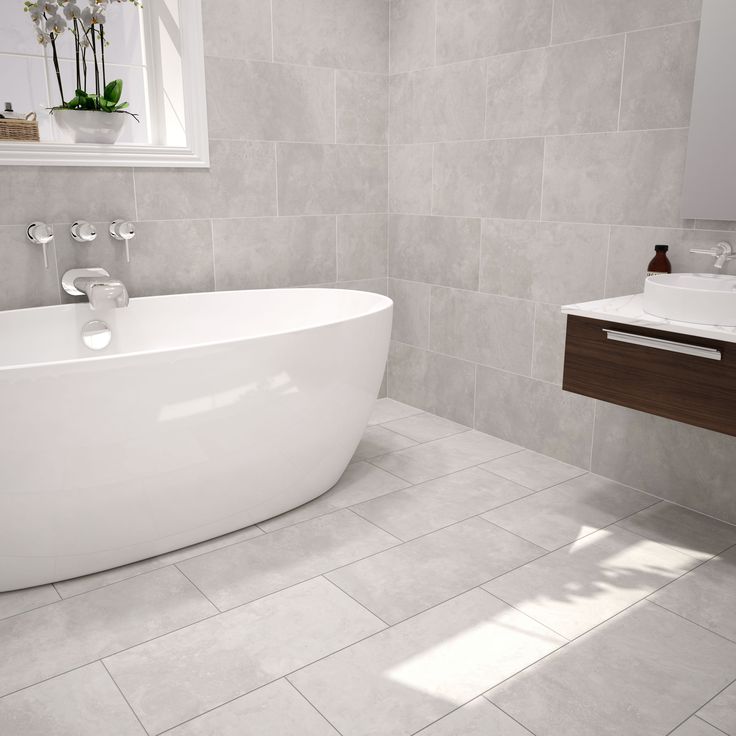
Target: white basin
701, 298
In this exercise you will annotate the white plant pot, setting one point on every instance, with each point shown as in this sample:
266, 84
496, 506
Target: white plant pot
90, 126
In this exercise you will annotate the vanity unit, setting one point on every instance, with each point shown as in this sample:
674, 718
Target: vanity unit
616, 350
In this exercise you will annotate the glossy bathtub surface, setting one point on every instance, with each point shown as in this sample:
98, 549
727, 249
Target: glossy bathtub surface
197, 420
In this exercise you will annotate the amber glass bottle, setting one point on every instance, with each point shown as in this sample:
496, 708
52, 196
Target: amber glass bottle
660, 263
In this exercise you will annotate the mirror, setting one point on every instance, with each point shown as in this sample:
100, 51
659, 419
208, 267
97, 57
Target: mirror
709, 191
102, 83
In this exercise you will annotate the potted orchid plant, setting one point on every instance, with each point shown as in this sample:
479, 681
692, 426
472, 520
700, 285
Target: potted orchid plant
95, 113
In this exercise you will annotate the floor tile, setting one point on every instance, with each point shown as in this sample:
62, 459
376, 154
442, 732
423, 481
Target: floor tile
581, 585
425, 427
243, 572
478, 718
560, 515
438, 503
441, 457
533, 470
412, 674
360, 482
54, 639
84, 702
378, 441
641, 674
706, 596
20, 601
75, 586
408, 579
721, 711
386, 410
184, 674
696, 727
274, 710
692, 533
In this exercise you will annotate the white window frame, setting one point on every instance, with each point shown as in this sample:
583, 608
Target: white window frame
194, 155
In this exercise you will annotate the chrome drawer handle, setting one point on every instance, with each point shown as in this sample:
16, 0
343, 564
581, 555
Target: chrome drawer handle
660, 344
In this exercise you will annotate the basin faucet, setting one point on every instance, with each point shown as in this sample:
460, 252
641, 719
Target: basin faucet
96, 284
723, 253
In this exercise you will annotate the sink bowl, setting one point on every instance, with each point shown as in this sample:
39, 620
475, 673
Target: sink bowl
702, 298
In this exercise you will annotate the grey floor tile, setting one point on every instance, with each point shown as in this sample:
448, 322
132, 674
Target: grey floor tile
184, 674
425, 427
566, 512
243, 572
360, 482
533, 470
429, 506
412, 674
445, 456
387, 410
721, 711
641, 674
688, 531
20, 601
707, 595
75, 586
478, 718
274, 710
84, 702
581, 585
378, 441
696, 727
408, 579
54, 639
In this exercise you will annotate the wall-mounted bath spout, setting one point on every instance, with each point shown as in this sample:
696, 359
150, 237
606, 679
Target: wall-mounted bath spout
96, 284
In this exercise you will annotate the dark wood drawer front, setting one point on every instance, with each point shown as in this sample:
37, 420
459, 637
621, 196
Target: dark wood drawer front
691, 389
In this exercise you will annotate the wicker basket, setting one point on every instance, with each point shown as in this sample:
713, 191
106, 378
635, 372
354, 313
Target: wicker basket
19, 130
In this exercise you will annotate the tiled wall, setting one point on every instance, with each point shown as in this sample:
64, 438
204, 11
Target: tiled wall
297, 190
536, 156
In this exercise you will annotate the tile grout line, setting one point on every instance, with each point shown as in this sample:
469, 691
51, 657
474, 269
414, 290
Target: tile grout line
697, 712
679, 615
193, 584
316, 709
621, 89
361, 604
122, 695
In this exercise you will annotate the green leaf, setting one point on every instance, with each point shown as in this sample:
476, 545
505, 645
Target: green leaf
121, 106
113, 91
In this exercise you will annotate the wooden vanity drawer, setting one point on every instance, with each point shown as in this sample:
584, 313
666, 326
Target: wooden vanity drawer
695, 389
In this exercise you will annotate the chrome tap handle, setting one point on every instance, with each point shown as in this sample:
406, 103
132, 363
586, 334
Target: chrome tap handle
83, 231
39, 233
125, 231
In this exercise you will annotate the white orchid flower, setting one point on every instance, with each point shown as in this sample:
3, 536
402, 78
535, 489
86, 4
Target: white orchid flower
95, 15
72, 11
45, 6
42, 37
55, 24
36, 13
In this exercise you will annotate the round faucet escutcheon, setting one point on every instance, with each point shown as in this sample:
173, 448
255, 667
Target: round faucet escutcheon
96, 334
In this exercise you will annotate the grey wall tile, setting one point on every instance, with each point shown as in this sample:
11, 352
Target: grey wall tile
573, 88
411, 311
377, 286
442, 103
550, 327
64, 194
576, 19
616, 178
435, 383
412, 34
633, 247
410, 178
248, 37
437, 250
266, 252
469, 29
25, 281
544, 261
489, 178
362, 107
659, 74
323, 179
362, 247
684, 464
166, 257
482, 328
240, 182
346, 34
535, 414
258, 100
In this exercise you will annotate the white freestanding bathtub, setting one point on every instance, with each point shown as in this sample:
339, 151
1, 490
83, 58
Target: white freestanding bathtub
206, 413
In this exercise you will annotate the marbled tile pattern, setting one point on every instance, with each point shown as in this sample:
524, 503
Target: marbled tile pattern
493, 598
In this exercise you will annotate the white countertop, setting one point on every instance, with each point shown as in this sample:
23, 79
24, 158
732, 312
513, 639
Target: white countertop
629, 310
